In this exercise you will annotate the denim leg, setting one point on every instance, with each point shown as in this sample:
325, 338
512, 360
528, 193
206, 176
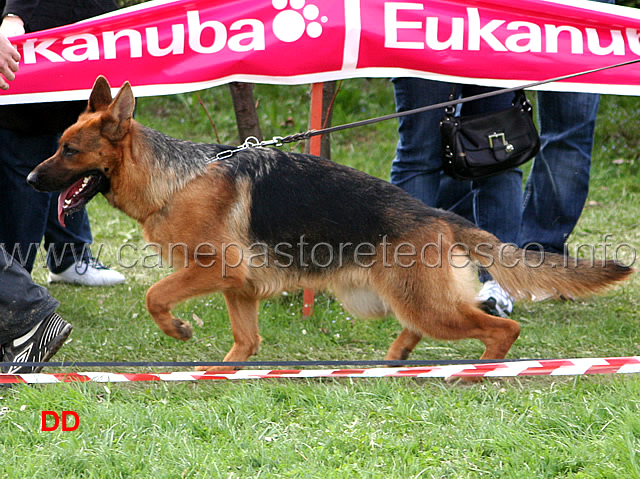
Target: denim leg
417, 165
557, 187
497, 205
456, 196
24, 210
66, 245
494, 203
497, 200
23, 303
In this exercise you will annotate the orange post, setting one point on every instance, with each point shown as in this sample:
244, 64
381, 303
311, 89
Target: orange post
314, 149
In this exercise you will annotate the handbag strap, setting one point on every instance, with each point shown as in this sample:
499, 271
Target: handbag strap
520, 99
451, 109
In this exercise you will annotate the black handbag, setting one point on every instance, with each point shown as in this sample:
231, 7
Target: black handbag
478, 146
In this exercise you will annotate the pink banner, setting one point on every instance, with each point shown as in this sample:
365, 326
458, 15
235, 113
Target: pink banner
165, 47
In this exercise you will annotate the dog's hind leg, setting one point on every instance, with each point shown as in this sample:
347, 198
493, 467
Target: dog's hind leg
243, 314
439, 303
463, 321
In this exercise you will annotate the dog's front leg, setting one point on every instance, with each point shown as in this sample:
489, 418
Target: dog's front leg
186, 283
243, 315
161, 299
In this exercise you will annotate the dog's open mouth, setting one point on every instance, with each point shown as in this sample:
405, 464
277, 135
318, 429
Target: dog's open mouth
79, 193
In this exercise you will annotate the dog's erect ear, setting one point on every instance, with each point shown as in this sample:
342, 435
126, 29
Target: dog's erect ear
116, 125
100, 97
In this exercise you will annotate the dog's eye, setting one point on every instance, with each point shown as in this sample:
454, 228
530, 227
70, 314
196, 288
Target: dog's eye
68, 151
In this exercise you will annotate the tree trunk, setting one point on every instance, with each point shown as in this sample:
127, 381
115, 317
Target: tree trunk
328, 91
244, 106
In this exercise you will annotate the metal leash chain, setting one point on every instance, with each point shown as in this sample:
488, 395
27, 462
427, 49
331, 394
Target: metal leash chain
250, 142
253, 142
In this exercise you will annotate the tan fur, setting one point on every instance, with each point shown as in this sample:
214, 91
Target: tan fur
203, 207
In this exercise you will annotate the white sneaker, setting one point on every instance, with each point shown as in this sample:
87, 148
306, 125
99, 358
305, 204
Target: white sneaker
87, 273
495, 300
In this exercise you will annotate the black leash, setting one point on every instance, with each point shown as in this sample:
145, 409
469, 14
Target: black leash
308, 134
253, 142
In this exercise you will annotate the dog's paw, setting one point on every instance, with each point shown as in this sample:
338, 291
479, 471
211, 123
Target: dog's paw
182, 329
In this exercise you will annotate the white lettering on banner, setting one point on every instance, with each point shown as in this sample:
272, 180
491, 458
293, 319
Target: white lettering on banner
195, 34
254, 39
30, 49
77, 53
479, 31
110, 39
392, 25
476, 32
176, 47
250, 36
531, 40
407, 26
633, 37
616, 47
552, 33
455, 40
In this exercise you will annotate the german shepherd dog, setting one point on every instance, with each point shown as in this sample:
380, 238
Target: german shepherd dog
319, 225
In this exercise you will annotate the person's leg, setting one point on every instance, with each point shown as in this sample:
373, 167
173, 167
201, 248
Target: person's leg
30, 328
23, 303
497, 200
493, 204
418, 162
66, 245
24, 210
69, 255
456, 196
557, 187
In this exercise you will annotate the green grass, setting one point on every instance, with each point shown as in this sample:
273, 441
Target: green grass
585, 427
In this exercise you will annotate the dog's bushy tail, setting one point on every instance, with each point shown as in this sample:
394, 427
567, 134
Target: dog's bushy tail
530, 274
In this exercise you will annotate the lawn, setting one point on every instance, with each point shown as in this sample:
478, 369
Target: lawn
579, 427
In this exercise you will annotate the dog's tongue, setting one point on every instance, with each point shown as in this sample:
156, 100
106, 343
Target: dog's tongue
64, 195
61, 213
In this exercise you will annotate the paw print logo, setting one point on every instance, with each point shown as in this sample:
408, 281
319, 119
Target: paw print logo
290, 24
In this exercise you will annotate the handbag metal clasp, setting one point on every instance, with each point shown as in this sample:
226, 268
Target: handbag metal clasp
508, 147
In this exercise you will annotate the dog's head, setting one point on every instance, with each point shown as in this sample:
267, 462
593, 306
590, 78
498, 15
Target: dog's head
90, 151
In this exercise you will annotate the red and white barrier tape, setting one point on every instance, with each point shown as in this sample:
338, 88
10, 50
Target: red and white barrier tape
551, 367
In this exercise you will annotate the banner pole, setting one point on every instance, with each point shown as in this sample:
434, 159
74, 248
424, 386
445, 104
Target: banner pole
314, 149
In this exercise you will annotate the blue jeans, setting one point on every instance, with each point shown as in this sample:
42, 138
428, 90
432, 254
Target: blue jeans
494, 203
27, 216
557, 187
558, 184
23, 303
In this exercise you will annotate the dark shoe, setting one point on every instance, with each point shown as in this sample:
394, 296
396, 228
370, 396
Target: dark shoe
38, 345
